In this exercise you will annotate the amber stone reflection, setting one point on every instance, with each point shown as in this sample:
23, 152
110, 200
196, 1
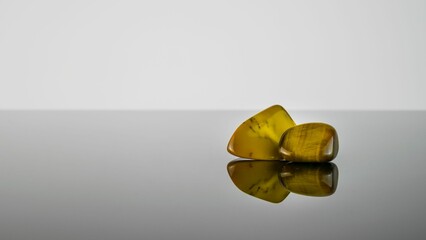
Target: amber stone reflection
259, 178
259, 136
311, 179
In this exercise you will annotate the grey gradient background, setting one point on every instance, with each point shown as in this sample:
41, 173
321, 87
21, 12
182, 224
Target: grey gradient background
162, 174
223, 54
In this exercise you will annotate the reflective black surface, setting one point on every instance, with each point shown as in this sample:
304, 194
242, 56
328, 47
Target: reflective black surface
162, 175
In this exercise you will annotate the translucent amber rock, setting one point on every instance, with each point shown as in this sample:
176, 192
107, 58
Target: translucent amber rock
259, 136
261, 179
310, 142
311, 179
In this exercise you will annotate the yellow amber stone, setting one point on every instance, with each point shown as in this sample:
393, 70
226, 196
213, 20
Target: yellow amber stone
259, 136
310, 179
310, 142
259, 178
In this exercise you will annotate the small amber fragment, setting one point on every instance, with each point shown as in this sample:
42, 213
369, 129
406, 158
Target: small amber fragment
310, 179
310, 142
259, 136
259, 178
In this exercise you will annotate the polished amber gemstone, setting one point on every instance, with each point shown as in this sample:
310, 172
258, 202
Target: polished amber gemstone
259, 136
311, 179
310, 142
261, 179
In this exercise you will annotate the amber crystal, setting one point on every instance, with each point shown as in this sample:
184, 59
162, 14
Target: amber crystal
309, 142
259, 136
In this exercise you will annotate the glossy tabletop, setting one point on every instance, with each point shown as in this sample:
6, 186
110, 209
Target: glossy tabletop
163, 175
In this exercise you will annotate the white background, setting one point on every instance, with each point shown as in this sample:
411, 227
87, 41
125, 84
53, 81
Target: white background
212, 54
